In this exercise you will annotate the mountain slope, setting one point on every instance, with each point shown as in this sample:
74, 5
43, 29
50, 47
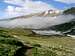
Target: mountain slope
70, 11
43, 45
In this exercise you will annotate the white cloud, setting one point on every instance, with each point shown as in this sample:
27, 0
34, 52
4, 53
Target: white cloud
12, 11
16, 2
27, 7
36, 22
66, 1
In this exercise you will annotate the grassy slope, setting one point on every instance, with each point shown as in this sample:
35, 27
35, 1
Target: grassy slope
43, 45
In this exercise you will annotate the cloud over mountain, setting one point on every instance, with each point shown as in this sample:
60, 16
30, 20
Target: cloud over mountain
27, 7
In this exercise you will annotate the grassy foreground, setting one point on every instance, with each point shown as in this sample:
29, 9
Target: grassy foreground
43, 45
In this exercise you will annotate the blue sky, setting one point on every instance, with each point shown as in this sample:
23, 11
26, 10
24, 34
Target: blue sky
56, 4
59, 5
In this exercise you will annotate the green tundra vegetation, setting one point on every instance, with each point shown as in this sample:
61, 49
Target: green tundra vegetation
13, 39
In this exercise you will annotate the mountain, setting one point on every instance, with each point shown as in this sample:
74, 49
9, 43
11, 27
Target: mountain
60, 29
70, 11
50, 13
32, 21
52, 19
41, 14
72, 24
69, 27
64, 27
